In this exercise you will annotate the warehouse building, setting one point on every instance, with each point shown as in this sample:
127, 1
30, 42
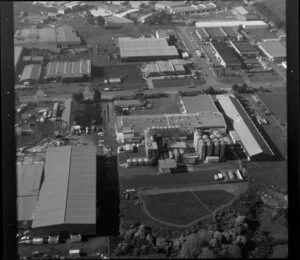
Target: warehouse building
253, 143
234, 24
29, 181
274, 50
166, 5
183, 10
245, 49
18, 54
52, 39
67, 198
31, 73
163, 68
232, 34
202, 34
226, 55
200, 103
69, 71
216, 33
33, 60
204, 7
143, 49
137, 4
200, 120
243, 14
164, 34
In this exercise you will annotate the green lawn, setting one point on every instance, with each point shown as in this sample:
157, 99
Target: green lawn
214, 198
177, 208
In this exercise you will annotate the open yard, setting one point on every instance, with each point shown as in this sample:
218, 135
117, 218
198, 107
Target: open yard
180, 82
213, 199
176, 208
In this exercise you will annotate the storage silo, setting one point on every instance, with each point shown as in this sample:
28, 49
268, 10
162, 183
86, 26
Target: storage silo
176, 155
141, 161
205, 137
129, 162
134, 162
212, 136
209, 148
181, 150
217, 147
201, 150
218, 135
227, 140
222, 149
171, 155
197, 136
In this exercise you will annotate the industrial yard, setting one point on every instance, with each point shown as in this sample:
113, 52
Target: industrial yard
139, 116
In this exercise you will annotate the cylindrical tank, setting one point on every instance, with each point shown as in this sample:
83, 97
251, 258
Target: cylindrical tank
134, 162
140, 161
215, 132
218, 135
176, 154
201, 150
170, 155
181, 150
222, 149
227, 140
197, 136
129, 162
209, 148
146, 161
217, 147
212, 136
205, 137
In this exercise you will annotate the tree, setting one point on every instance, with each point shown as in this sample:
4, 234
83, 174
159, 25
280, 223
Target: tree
210, 90
78, 97
100, 20
192, 247
97, 95
235, 88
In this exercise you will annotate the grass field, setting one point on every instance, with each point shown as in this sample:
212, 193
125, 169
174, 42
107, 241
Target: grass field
176, 208
161, 106
276, 102
256, 78
214, 198
277, 7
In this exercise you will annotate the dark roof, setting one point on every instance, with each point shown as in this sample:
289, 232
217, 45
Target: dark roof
200, 103
227, 53
245, 47
17, 54
215, 32
231, 32
31, 72
68, 194
202, 33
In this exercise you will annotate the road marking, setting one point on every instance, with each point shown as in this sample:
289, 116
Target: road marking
201, 202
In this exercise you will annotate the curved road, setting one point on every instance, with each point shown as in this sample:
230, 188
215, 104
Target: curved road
234, 188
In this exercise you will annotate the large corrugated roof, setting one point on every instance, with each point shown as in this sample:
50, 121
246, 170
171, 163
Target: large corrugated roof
31, 72
25, 207
29, 178
230, 32
68, 194
227, 53
215, 32
200, 103
236, 23
66, 34
273, 48
17, 54
81, 197
143, 47
252, 140
202, 33
244, 47
165, 66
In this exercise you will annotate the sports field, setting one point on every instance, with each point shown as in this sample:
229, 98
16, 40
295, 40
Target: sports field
213, 199
176, 208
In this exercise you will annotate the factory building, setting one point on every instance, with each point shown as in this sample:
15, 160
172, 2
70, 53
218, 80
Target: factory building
164, 34
52, 39
226, 55
183, 10
29, 181
245, 49
200, 103
274, 50
68, 71
33, 60
31, 73
232, 34
138, 123
234, 24
216, 33
202, 34
18, 54
137, 4
144, 49
253, 143
166, 5
67, 198
162, 68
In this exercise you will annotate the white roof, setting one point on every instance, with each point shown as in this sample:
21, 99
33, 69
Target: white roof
241, 10
247, 137
220, 23
100, 12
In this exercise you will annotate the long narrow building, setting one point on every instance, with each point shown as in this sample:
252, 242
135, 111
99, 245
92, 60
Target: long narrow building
255, 146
